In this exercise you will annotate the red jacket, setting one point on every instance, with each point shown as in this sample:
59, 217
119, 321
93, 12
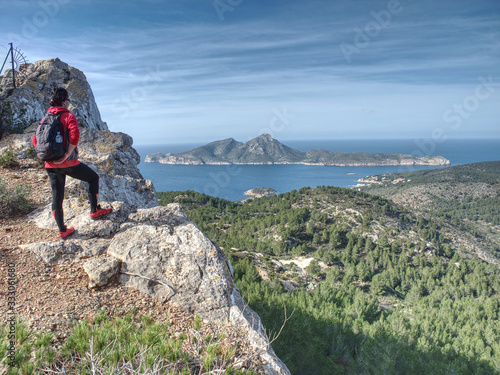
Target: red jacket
70, 127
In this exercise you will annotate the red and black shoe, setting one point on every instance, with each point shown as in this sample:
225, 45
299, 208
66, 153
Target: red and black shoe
100, 212
69, 232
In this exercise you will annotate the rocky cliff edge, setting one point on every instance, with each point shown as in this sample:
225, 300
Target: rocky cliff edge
154, 249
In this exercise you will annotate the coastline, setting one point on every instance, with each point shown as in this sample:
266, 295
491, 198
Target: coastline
445, 162
230, 182
265, 150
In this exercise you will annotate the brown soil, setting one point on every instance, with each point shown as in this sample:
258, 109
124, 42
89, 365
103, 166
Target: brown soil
56, 297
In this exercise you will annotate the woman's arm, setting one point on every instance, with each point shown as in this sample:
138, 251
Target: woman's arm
66, 154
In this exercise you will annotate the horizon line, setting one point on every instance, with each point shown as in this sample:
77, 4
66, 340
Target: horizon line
323, 140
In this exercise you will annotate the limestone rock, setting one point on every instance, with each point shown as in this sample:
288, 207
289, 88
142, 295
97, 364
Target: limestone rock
59, 251
113, 152
54, 252
100, 270
166, 256
30, 100
287, 285
77, 215
176, 253
91, 247
241, 315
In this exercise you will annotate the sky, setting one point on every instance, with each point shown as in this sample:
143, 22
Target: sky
188, 71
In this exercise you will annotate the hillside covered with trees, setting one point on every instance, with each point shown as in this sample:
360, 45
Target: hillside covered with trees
366, 285
466, 196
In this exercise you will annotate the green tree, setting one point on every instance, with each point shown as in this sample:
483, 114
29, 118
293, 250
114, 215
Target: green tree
313, 268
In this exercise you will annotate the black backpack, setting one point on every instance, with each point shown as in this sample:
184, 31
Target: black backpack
50, 138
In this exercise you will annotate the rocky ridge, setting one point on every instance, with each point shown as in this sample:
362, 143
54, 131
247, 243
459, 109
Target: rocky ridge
266, 150
29, 101
156, 250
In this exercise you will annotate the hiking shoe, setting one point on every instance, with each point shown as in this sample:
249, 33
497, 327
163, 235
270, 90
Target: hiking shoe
69, 232
100, 212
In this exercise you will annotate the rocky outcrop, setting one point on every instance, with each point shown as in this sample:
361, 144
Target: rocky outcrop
56, 252
266, 150
30, 101
100, 270
110, 154
160, 252
156, 250
162, 244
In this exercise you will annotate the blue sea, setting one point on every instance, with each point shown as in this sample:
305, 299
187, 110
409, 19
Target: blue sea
231, 181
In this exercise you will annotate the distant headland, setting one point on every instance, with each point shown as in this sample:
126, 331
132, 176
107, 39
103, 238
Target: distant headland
266, 150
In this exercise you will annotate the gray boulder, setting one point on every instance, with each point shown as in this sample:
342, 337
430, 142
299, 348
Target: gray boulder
166, 256
190, 270
100, 270
59, 251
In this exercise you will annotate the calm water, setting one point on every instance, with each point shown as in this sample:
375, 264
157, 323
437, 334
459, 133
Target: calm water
230, 182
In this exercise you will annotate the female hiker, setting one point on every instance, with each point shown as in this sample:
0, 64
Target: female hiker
68, 164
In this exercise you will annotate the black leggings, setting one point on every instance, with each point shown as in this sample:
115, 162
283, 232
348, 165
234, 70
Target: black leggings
57, 178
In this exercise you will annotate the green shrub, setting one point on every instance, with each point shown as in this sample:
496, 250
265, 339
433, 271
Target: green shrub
13, 202
313, 268
32, 156
8, 159
131, 345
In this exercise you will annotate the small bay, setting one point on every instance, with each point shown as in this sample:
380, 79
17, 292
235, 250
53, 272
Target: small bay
231, 181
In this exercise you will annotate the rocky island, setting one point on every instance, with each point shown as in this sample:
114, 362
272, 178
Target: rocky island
260, 192
266, 150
